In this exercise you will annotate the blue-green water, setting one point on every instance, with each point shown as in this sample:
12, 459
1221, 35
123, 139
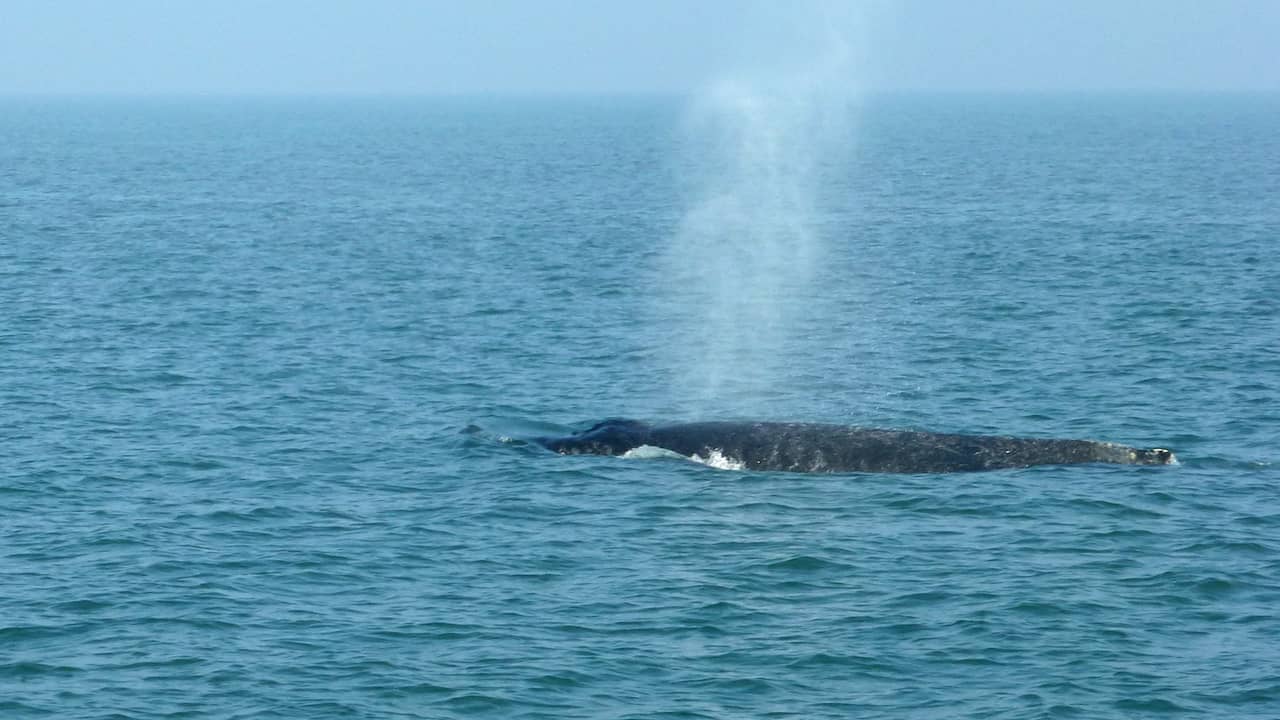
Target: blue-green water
259, 360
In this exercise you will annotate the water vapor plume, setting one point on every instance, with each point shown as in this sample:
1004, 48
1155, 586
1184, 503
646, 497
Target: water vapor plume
740, 269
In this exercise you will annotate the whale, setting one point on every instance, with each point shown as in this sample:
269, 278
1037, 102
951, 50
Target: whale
828, 448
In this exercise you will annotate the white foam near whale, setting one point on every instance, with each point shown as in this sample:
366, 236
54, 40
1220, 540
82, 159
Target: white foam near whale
719, 460
714, 458
652, 452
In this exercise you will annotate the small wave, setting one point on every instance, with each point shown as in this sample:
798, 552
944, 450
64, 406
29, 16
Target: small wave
1220, 462
1151, 705
804, 563
30, 668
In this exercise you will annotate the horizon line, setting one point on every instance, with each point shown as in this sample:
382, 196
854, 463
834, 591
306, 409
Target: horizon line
586, 93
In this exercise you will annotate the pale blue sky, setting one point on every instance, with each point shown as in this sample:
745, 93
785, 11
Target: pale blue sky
497, 46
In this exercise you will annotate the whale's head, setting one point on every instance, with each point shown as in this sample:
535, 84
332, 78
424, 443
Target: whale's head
610, 437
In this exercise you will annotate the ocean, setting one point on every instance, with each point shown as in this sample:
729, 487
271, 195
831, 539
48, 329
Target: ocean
269, 368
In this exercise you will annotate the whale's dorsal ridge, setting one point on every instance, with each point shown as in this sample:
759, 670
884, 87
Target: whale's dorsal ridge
823, 447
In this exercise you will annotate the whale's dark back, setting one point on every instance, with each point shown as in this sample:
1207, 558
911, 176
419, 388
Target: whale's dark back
614, 436
817, 447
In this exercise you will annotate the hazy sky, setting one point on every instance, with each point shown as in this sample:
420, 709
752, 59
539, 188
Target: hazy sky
483, 46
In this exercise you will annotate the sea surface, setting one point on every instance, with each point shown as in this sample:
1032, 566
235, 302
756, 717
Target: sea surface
269, 367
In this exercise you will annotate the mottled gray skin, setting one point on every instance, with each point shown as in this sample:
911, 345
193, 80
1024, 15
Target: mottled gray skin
815, 447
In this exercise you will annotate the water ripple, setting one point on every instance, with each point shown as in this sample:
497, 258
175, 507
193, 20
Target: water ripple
269, 368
